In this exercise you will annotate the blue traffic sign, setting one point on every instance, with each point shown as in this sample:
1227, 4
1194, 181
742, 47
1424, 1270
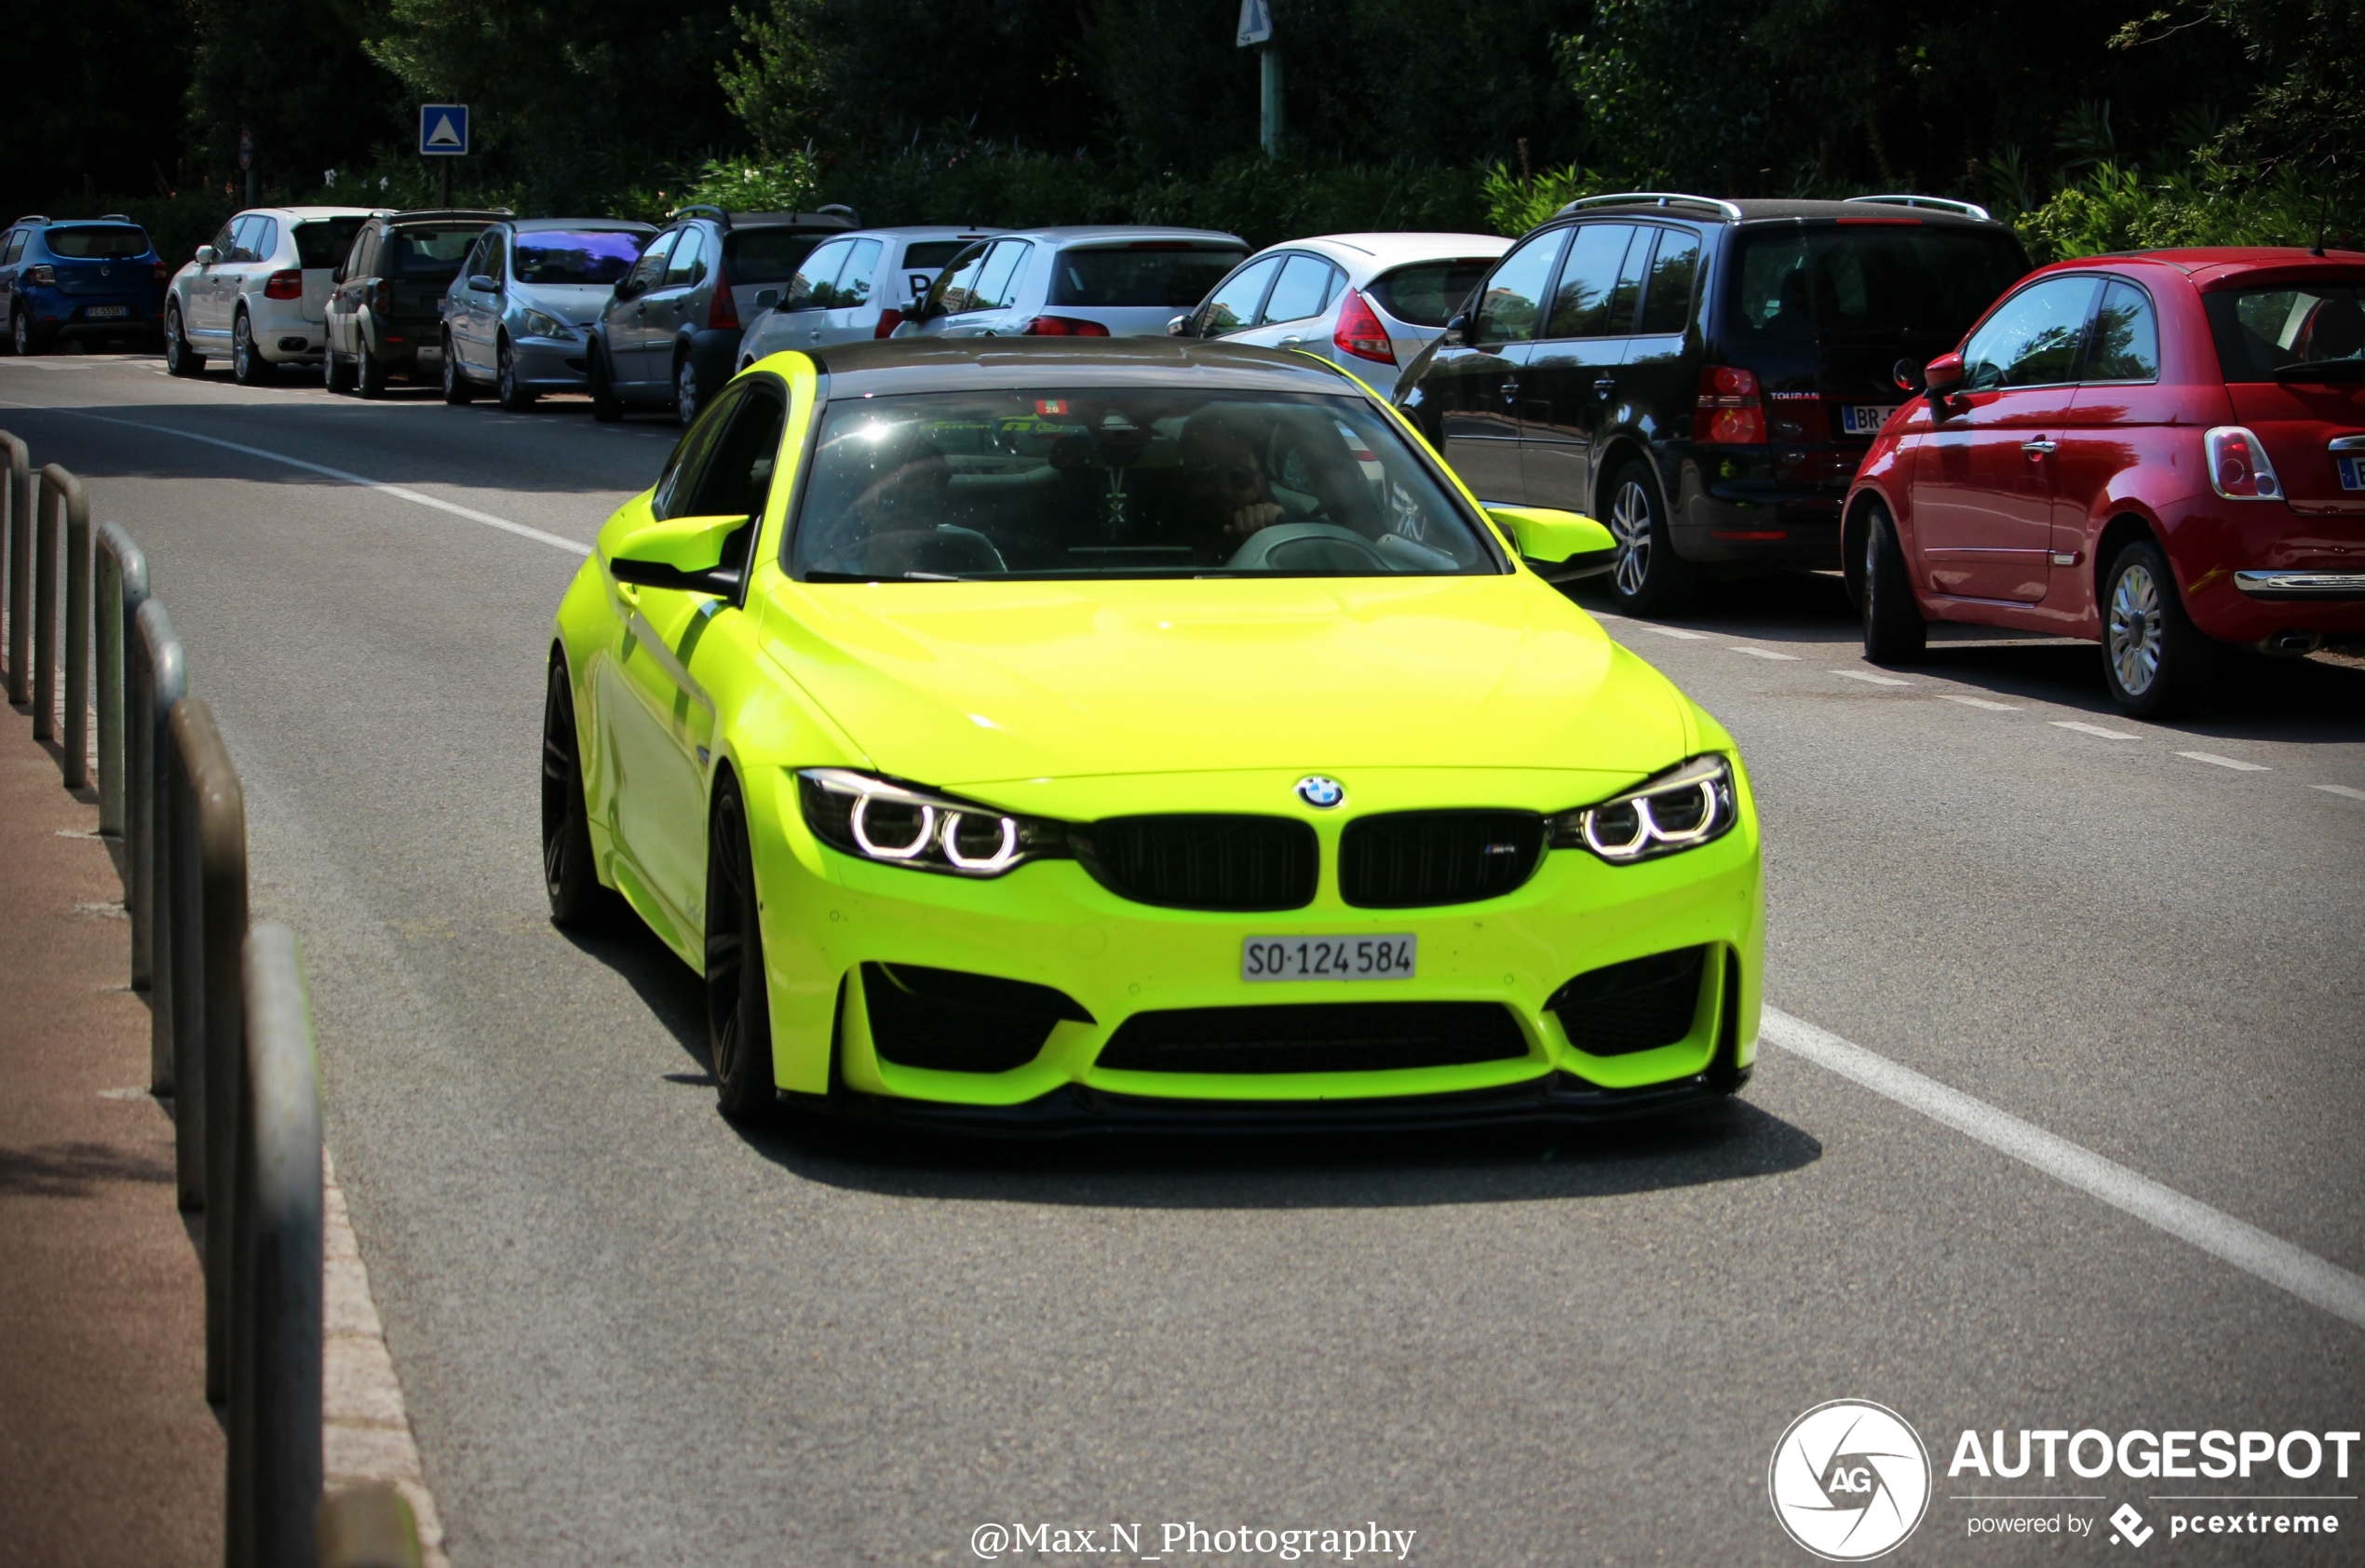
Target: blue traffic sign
443, 129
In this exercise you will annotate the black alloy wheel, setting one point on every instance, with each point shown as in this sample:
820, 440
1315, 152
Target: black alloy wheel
687, 399
573, 882
178, 357
738, 1008
457, 387
515, 398
2156, 661
605, 406
1894, 629
248, 366
1648, 578
369, 376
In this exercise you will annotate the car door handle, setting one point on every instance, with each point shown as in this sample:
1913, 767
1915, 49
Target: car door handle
1291, 340
1605, 385
2038, 447
1510, 389
815, 334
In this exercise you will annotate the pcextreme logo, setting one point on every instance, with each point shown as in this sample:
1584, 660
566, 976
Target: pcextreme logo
1849, 1480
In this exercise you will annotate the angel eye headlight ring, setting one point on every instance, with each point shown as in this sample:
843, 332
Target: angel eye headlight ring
1682, 808
889, 822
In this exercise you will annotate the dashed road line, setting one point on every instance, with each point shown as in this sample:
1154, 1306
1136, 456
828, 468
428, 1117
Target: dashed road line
2235, 763
1980, 702
2341, 789
1676, 631
2097, 730
1765, 654
1871, 679
2245, 1246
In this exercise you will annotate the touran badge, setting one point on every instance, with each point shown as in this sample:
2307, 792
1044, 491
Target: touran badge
1316, 790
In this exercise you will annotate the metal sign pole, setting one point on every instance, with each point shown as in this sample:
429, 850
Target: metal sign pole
1255, 32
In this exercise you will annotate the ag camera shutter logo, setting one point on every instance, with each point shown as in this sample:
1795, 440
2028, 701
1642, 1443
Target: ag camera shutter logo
1849, 1480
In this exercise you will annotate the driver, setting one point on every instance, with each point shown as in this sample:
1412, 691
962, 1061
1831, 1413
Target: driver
1225, 477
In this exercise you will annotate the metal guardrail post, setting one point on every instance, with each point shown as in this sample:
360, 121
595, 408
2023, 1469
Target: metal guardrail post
159, 680
76, 739
122, 587
276, 1290
209, 926
55, 482
20, 510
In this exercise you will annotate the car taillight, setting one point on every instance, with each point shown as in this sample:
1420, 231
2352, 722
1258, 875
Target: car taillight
284, 286
890, 319
382, 296
1728, 411
162, 272
723, 313
1359, 333
1062, 326
2238, 469
41, 274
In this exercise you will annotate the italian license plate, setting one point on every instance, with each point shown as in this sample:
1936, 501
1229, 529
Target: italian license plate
1864, 419
2352, 472
108, 312
1349, 958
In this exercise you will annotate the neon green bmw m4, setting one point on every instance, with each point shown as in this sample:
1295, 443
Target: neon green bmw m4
1052, 737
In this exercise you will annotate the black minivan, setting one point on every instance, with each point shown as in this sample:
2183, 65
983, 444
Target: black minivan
1702, 375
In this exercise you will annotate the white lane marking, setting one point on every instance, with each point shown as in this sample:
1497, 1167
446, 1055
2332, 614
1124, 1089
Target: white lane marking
2218, 1234
1766, 653
2091, 729
1981, 702
1675, 632
1871, 679
2341, 789
2235, 763
399, 493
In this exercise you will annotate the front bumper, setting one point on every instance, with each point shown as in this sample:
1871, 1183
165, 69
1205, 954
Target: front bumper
551, 364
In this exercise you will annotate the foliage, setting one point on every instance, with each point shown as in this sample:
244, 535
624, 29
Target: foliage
293, 73
776, 85
2115, 209
780, 184
1516, 203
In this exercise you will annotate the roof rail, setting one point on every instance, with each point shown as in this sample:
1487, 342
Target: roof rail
839, 209
705, 207
1651, 198
1941, 204
114, 217
34, 218
415, 214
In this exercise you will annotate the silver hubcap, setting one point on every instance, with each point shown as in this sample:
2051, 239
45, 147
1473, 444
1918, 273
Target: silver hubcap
2135, 630
1630, 526
685, 395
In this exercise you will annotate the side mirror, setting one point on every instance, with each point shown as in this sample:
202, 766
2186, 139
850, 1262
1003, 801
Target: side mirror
1180, 326
207, 255
1907, 376
684, 553
337, 276
1458, 331
1943, 376
766, 297
1559, 547
483, 284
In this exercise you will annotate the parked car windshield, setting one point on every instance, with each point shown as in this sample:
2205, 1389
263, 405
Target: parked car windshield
323, 242
2261, 330
769, 255
597, 256
1428, 294
433, 253
98, 241
1920, 284
1147, 272
1123, 482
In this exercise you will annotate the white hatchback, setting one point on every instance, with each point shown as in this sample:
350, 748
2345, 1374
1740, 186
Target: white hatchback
258, 291
1368, 303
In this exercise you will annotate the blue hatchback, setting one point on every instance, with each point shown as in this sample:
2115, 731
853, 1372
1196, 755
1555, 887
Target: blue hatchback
79, 277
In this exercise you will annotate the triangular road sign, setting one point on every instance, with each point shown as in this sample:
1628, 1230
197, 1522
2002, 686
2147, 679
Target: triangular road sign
443, 135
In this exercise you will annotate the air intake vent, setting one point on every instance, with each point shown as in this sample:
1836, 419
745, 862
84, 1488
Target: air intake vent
1211, 862
1408, 859
1633, 1007
1316, 1037
959, 1023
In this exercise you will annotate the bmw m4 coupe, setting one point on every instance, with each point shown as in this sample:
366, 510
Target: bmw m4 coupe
1058, 736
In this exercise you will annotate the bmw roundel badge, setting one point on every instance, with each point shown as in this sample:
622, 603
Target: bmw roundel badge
1316, 790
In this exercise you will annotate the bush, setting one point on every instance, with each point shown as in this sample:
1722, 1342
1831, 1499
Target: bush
2114, 209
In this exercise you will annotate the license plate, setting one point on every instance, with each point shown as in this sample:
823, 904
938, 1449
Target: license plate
107, 312
1864, 419
1351, 958
2352, 472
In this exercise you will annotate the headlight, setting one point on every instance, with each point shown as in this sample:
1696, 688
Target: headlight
1680, 809
898, 825
538, 325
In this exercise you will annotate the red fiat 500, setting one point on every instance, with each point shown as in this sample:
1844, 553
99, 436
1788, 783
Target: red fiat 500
2162, 452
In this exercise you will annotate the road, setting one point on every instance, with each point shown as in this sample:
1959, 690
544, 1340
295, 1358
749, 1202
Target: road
629, 1333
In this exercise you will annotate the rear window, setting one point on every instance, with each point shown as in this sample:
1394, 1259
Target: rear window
324, 242
98, 242
430, 253
933, 253
596, 256
1884, 283
768, 255
1428, 294
1130, 276
2260, 331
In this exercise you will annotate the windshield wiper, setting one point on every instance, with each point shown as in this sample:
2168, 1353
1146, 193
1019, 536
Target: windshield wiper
2351, 369
817, 575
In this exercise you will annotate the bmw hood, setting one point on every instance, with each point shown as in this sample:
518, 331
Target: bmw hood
970, 684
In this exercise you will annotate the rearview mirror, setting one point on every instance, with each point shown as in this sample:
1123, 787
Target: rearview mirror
1943, 376
207, 255
692, 554
1559, 547
766, 297
483, 284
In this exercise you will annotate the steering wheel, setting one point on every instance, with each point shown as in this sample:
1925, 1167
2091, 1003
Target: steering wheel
1308, 546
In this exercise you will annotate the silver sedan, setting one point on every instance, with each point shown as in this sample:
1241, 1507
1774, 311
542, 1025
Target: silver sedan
514, 320
1366, 303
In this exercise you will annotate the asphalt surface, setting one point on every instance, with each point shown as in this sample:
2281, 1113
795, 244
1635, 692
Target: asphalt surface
629, 1333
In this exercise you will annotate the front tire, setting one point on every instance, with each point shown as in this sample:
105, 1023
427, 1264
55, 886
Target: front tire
738, 1006
687, 399
248, 366
2155, 660
606, 407
1894, 629
1649, 578
577, 901
457, 387
369, 376
515, 397
178, 357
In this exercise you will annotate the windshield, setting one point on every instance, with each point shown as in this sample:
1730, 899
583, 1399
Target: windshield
1123, 482
97, 243
435, 254
326, 242
1151, 273
2261, 330
1869, 281
596, 256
